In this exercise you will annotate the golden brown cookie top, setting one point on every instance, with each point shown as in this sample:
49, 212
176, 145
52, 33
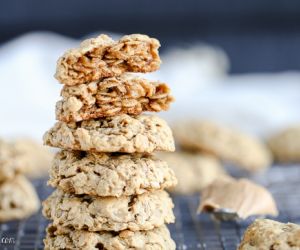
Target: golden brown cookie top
103, 57
125, 94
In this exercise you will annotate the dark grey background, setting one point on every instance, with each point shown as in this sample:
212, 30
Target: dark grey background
258, 35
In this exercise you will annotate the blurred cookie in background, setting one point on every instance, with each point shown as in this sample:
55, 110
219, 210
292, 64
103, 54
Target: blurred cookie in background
12, 161
270, 234
228, 198
38, 157
229, 145
194, 171
18, 199
285, 145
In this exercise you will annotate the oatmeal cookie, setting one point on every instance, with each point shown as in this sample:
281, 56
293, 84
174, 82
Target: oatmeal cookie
125, 94
123, 133
193, 171
18, 199
232, 146
65, 238
38, 157
13, 161
285, 145
269, 234
105, 174
103, 57
136, 212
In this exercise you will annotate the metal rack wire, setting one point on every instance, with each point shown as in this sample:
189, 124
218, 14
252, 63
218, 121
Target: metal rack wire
190, 231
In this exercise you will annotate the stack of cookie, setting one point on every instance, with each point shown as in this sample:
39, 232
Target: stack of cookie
109, 187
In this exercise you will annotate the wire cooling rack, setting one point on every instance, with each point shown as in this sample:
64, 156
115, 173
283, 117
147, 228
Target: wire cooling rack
190, 231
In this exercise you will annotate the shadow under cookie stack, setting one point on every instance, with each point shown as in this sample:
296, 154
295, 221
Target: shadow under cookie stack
110, 189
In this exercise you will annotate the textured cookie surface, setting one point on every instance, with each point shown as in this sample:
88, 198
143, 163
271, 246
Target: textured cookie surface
124, 133
285, 145
194, 171
229, 145
12, 161
104, 174
125, 94
138, 212
103, 57
269, 234
65, 238
18, 199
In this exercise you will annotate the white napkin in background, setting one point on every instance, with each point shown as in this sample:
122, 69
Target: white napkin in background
28, 89
257, 103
